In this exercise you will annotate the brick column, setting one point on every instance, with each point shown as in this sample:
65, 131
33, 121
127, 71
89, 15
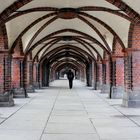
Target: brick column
82, 75
78, 74
98, 75
36, 75
128, 79
51, 75
6, 97
45, 74
117, 77
131, 96
17, 77
89, 74
94, 77
54, 76
106, 77
15, 73
57, 74
30, 86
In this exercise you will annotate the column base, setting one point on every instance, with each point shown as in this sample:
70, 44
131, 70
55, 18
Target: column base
30, 89
98, 86
20, 93
94, 86
36, 85
105, 88
6, 99
89, 84
131, 99
117, 92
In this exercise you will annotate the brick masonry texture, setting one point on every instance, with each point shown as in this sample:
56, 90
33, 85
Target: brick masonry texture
119, 63
1, 74
119, 72
135, 42
34, 73
16, 73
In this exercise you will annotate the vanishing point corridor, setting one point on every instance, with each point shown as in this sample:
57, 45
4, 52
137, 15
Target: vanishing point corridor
58, 113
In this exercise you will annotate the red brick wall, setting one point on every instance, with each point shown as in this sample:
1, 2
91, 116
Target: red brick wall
136, 70
100, 73
118, 48
34, 73
119, 72
7, 71
28, 72
4, 66
25, 73
1, 42
106, 61
134, 36
107, 73
134, 43
119, 63
15, 73
1, 74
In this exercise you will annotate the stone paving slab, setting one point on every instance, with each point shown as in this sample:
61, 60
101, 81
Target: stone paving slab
58, 113
6, 112
117, 122
70, 137
69, 128
19, 135
118, 132
69, 119
68, 113
22, 125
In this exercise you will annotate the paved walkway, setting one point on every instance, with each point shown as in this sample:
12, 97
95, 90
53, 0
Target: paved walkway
58, 113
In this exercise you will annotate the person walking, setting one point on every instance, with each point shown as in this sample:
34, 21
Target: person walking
70, 77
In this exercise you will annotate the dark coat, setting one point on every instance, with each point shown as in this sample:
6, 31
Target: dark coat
70, 75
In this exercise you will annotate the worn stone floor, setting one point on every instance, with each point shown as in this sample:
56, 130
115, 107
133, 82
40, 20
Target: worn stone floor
58, 113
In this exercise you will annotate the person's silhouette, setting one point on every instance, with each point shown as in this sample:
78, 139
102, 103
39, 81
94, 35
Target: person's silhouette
70, 77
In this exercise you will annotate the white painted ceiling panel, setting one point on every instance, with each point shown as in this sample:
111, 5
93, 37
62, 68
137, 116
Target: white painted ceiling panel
99, 49
134, 4
36, 50
28, 35
108, 36
54, 47
72, 24
67, 3
17, 25
73, 43
118, 24
5, 3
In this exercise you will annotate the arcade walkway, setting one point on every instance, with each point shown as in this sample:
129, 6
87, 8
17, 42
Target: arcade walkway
58, 113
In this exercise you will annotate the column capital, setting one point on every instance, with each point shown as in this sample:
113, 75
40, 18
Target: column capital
99, 61
114, 57
128, 51
30, 61
17, 57
36, 62
131, 49
104, 61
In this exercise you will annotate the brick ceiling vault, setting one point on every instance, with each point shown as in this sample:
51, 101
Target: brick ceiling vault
50, 30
